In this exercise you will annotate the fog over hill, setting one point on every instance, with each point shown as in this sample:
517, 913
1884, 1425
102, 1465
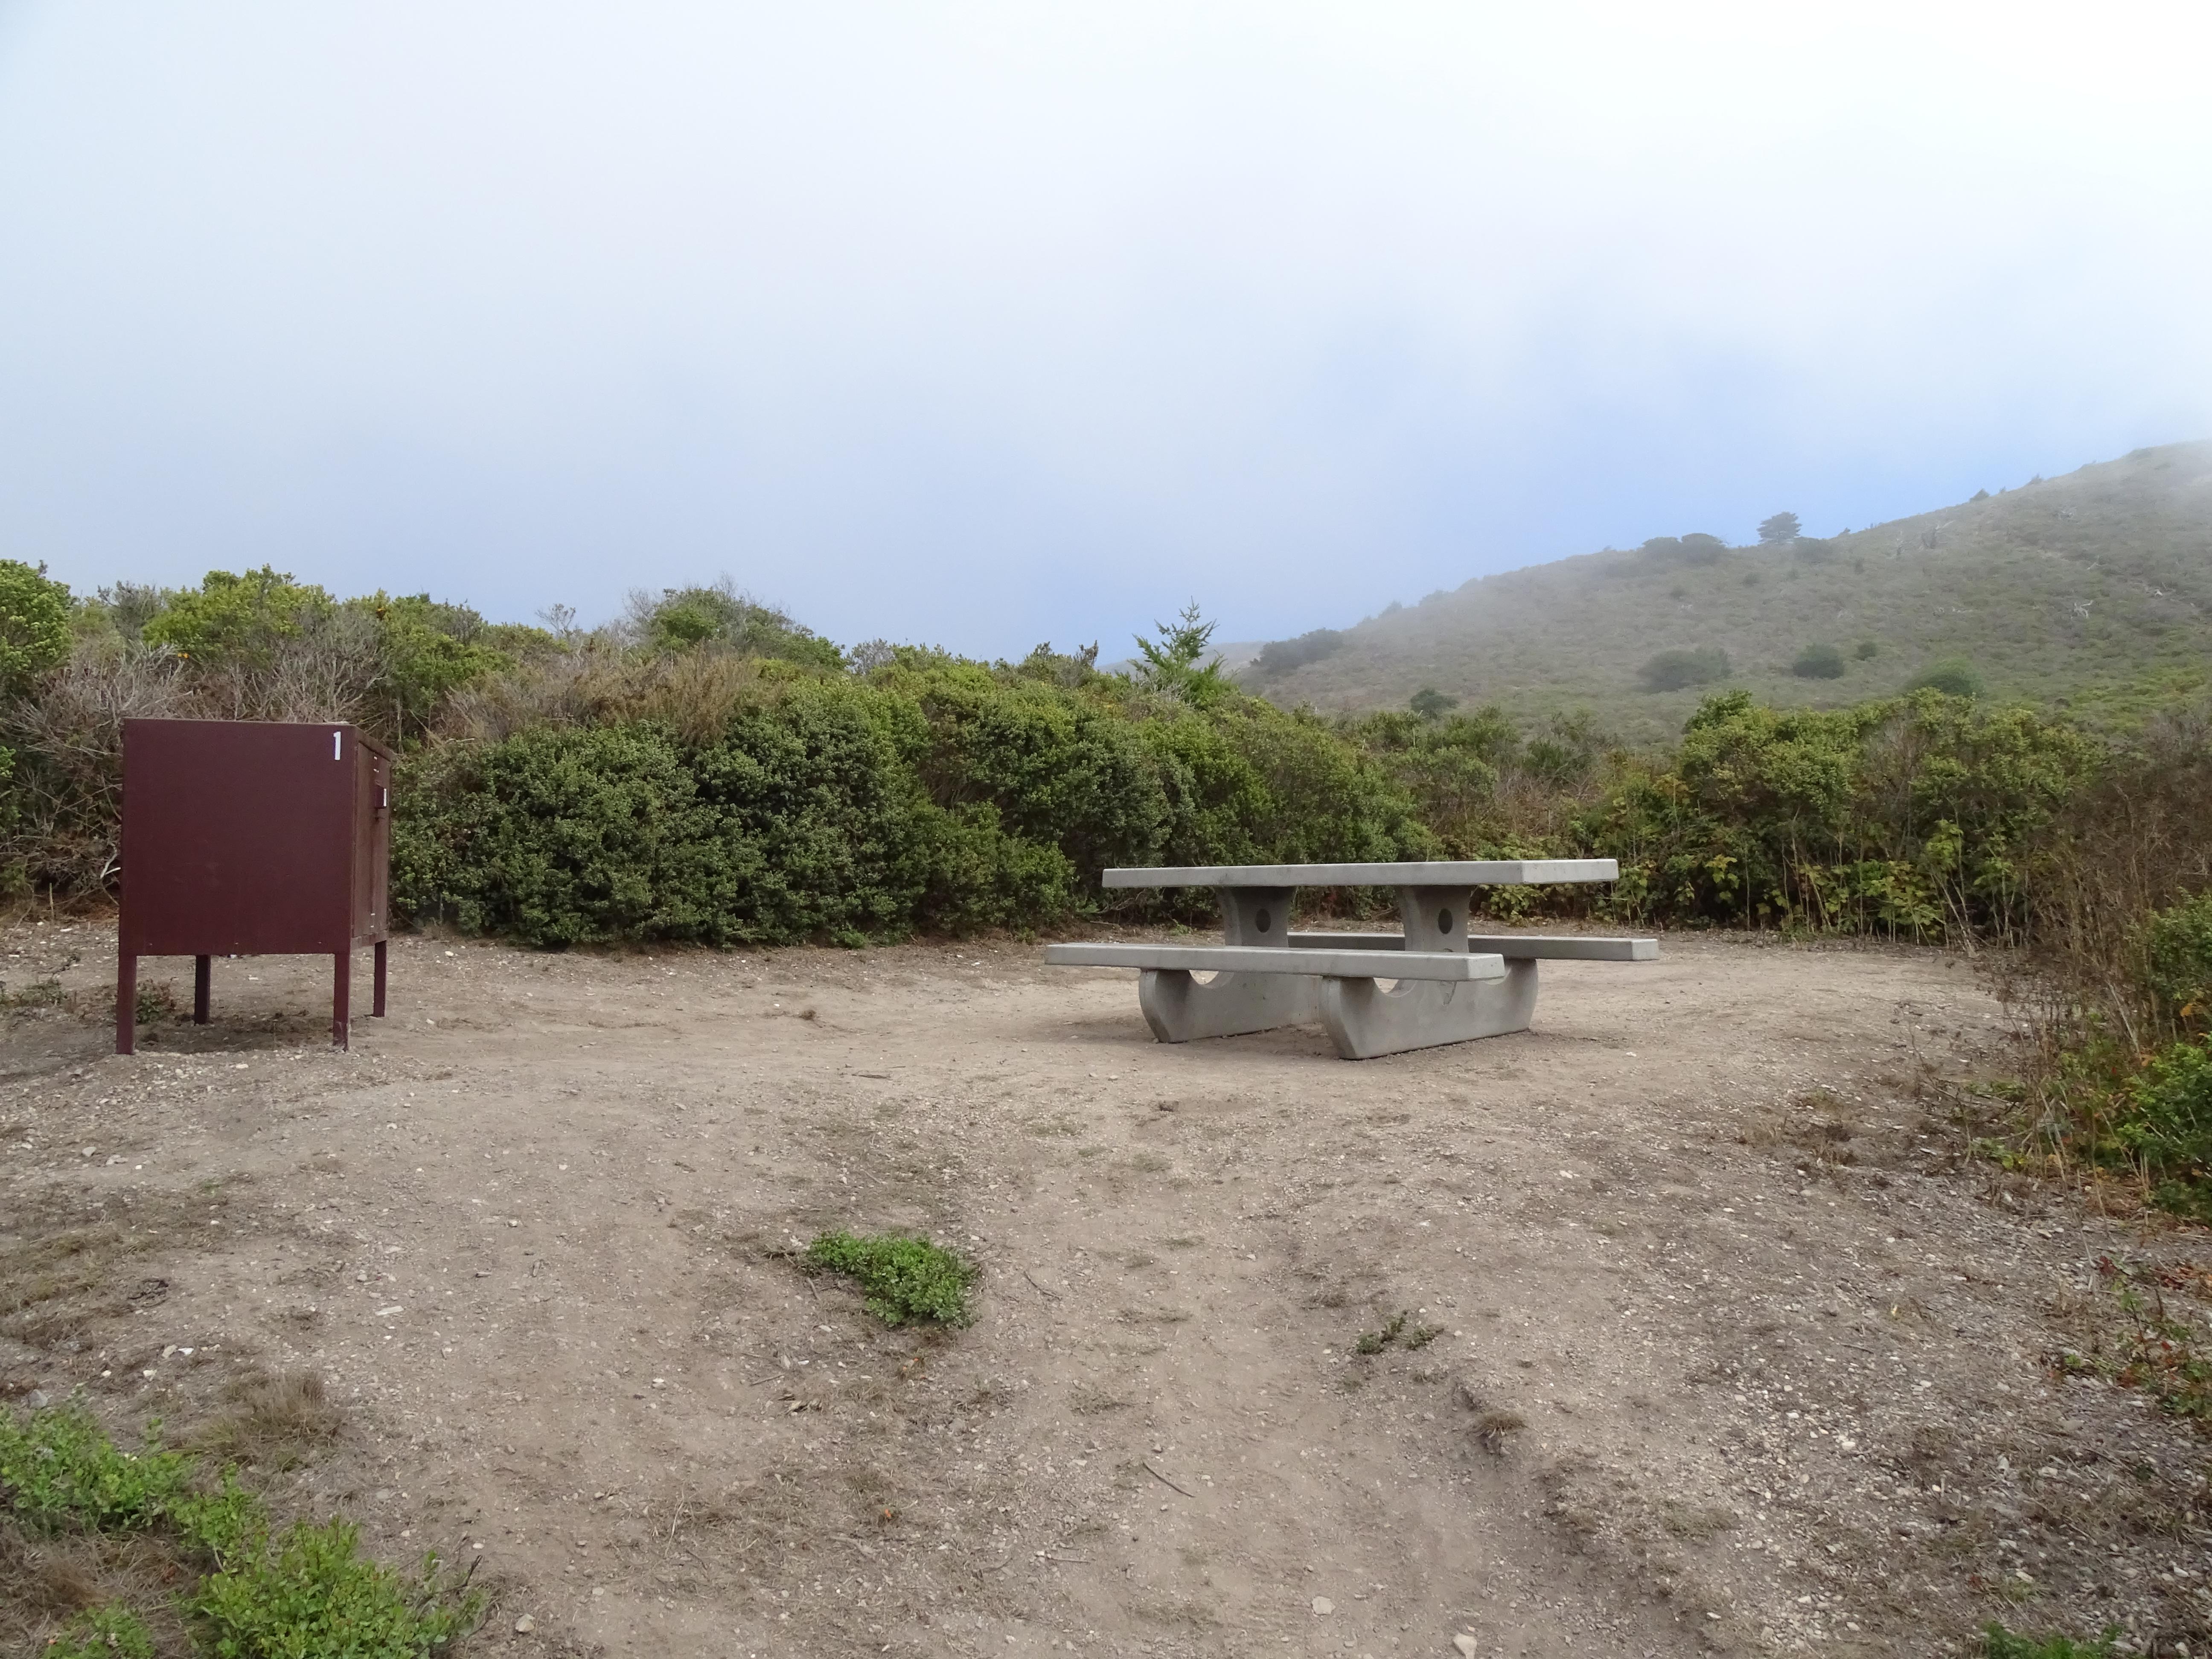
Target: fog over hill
2083, 590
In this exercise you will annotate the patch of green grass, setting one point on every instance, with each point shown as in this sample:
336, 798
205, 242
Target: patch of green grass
259, 1594
1998, 1642
110, 1632
900, 1277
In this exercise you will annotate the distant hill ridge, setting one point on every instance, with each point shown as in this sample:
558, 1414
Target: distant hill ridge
2086, 588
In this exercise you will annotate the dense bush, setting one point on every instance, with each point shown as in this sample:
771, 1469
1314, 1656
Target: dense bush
1671, 671
683, 617
1919, 816
1279, 657
1953, 680
34, 631
2178, 960
2166, 1121
1819, 662
929, 793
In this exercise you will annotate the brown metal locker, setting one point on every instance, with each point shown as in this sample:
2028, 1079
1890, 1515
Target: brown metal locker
253, 838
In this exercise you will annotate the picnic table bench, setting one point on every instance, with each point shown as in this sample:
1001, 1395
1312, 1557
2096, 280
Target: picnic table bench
1446, 984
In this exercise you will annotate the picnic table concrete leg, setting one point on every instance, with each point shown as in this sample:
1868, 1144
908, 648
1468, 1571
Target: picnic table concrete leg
1254, 915
1435, 917
1363, 1020
1180, 1009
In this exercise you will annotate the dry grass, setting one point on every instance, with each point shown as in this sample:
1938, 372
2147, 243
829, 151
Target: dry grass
275, 1422
695, 694
1493, 1424
44, 1581
67, 1267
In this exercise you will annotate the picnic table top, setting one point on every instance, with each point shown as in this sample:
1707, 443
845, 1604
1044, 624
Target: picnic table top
1456, 872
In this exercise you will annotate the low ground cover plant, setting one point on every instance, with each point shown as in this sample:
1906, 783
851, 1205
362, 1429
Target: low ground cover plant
247, 1587
2129, 1334
901, 1279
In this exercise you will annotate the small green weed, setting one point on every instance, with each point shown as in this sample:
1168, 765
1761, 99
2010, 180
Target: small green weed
1998, 1642
308, 1592
1375, 1341
2146, 1347
1394, 1331
39, 993
110, 1632
901, 1279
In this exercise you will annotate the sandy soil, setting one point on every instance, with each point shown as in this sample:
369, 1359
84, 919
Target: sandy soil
1737, 1352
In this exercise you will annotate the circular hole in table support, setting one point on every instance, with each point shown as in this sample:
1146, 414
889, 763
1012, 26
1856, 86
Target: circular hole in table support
1444, 921
1388, 986
1204, 975
1262, 920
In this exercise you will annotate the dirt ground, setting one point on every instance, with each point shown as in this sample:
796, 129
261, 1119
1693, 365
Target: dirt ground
1736, 1350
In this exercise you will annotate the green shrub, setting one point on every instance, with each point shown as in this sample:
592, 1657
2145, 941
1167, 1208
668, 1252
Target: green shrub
980, 877
2167, 1120
428, 650
60, 1471
1953, 680
1819, 662
311, 1593
2178, 959
1318, 798
823, 826
1061, 769
684, 618
1866, 650
1672, 671
238, 620
901, 1279
34, 627
563, 836
1922, 813
1279, 657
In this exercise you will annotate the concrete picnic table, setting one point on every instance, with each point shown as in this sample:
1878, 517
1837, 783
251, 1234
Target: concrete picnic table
1446, 985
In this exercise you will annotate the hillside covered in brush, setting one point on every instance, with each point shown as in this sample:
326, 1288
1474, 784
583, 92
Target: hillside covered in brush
2093, 590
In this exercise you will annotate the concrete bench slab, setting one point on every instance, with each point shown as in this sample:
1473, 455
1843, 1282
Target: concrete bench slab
1278, 959
1449, 872
1530, 947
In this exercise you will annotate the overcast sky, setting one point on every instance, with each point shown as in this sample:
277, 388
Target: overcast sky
986, 325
